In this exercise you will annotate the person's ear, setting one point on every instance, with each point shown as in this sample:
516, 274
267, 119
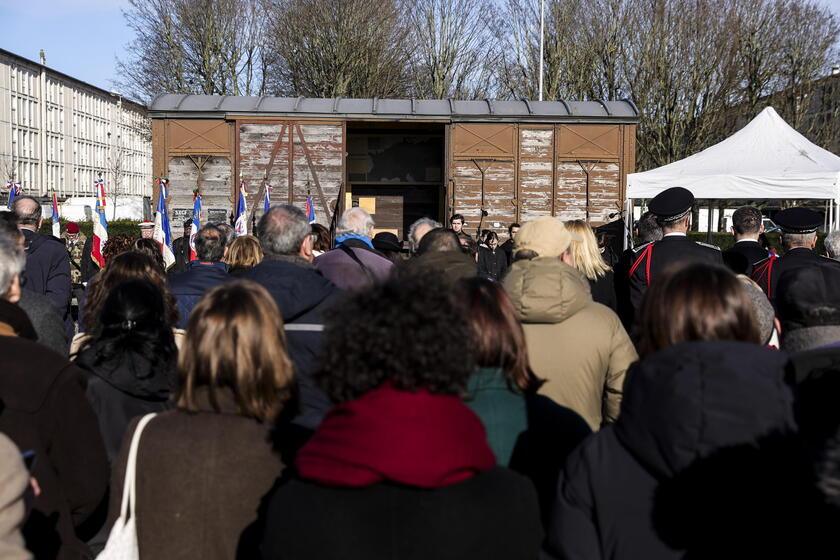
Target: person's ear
567, 257
760, 229
732, 229
814, 242
306, 249
13, 294
40, 223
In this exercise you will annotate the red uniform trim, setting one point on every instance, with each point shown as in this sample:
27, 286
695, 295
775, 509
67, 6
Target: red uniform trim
646, 253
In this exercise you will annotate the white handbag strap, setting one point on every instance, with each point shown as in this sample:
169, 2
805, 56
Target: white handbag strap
129, 484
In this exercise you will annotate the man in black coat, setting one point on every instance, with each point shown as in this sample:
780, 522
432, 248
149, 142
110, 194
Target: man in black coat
47, 262
181, 250
44, 410
646, 230
507, 246
747, 226
799, 237
301, 293
672, 208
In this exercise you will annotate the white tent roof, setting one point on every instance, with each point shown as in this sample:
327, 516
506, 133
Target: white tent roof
765, 159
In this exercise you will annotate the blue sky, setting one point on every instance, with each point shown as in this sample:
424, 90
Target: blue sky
82, 38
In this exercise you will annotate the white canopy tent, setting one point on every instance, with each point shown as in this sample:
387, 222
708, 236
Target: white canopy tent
765, 159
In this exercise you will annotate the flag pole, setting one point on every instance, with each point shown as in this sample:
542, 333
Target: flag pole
542, 44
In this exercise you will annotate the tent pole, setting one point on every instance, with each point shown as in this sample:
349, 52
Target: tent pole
709, 224
628, 222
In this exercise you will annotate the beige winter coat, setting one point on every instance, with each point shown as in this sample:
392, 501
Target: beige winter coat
577, 345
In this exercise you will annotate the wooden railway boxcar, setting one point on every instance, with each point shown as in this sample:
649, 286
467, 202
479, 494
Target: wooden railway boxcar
495, 162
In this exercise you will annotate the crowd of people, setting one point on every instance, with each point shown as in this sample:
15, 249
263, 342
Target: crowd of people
304, 393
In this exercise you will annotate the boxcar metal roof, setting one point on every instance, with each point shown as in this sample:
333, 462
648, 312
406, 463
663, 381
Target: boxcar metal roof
202, 106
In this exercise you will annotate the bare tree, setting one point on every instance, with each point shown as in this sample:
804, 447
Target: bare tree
194, 46
452, 48
329, 48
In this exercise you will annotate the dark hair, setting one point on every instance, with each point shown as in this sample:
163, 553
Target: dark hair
188, 223
150, 248
511, 226
491, 235
405, 331
117, 245
9, 225
132, 321
649, 228
126, 266
696, 302
484, 234
236, 341
469, 246
323, 242
227, 230
210, 243
457, 217
498, 340
747, 219
439, 240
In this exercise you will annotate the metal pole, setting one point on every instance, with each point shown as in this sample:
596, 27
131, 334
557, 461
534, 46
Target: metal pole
542, 43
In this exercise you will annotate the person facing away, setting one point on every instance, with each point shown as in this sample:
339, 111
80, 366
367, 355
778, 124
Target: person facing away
244, 253
207, 271
832, 245
703, 384
400, 467
577, 345
45, 411
130, 359
45, 318
47, 263
302, 294
203, 468
528, 432
672, 208
799, 237
492, 261
747, 227
589, 261
440, 250
417, 230
14, 490
646, 230
354, 263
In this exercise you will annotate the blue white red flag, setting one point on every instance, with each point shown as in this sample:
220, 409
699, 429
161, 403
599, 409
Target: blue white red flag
56, 225
310, 209
241, 224
196, 224
267, 201
162, 234
100, 225
14, 191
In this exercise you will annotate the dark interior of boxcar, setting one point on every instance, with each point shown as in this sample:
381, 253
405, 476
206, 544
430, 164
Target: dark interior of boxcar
396, 171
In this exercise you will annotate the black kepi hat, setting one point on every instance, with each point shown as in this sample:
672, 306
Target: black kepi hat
671, 204
798, 220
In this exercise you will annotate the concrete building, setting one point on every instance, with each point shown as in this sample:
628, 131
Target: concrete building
58, 134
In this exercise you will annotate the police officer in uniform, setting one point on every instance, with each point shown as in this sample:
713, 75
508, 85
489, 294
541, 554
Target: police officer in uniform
799, 237
672, 208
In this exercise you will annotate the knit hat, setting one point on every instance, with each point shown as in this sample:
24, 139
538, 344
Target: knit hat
546, 236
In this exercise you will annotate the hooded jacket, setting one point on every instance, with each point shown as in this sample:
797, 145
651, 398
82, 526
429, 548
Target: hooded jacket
122, 388
577, 345
681, 406
302, 294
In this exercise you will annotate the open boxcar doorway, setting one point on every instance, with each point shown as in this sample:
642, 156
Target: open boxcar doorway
396, 171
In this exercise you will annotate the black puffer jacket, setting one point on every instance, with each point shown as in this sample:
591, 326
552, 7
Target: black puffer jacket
122, 388
643, 487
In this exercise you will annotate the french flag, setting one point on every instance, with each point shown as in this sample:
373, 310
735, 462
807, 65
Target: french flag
14, 191
162, 233
267, 201
196, 225
310, 210
56, 225
241, 226
100, 225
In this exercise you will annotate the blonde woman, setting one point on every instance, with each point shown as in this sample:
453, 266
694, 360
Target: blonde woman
588, 260
244, 253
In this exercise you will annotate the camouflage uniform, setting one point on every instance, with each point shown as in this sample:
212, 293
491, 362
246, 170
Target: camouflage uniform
75, 250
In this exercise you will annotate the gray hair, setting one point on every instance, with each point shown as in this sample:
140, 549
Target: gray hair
413, 242
27, 216
227, 231
354, 221
210, 243
797, 239
282, 230
12, 261
832, 244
